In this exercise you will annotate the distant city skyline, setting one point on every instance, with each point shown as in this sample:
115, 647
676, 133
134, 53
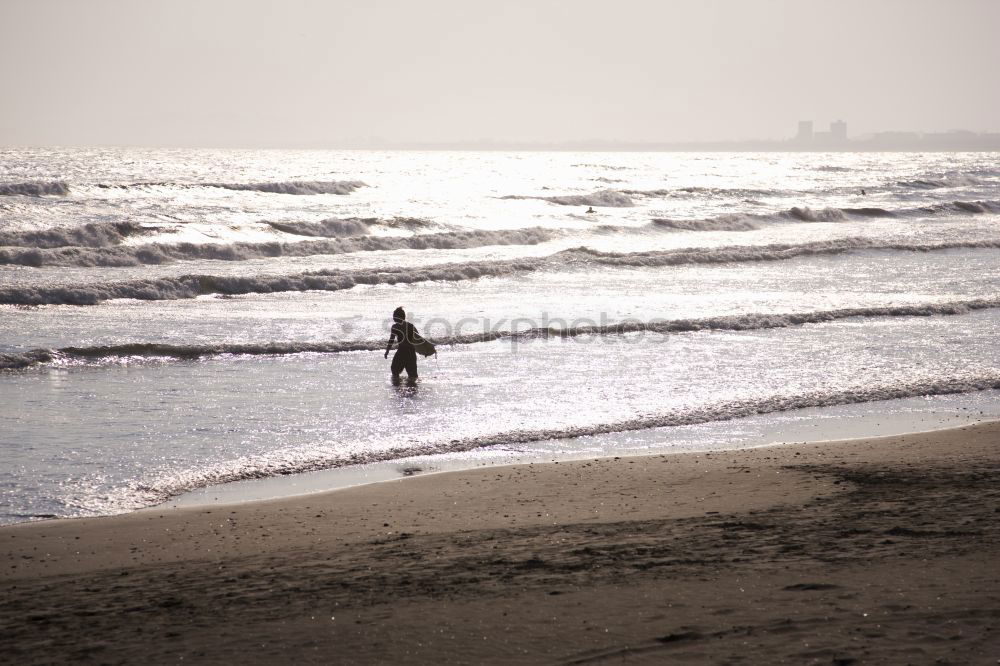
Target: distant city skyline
807, 137
256, 73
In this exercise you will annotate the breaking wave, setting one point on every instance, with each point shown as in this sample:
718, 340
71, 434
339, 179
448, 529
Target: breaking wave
733, 222
19, 360
352, 226
719, 191
869, 212
750, 221
807, 214
777, 252
13, 361
155, 253
605, 166
607, 198
948, 180
295, 186
277, 187
331, 228
648, 193
35, 189
742, 322
191, 286
739, 222
623, 198
92, 234
293, 461
974, 207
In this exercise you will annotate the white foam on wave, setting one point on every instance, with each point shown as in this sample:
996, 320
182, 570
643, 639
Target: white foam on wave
345, 227
35, 189
191, 286
601, 198
751, 221
295, 186
776, 252
734, 222
741, 322
156, 253
92, 234
936, 182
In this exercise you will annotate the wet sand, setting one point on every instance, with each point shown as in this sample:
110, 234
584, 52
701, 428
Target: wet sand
867, 551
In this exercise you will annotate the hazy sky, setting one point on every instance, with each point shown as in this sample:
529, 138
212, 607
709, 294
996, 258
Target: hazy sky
319, 72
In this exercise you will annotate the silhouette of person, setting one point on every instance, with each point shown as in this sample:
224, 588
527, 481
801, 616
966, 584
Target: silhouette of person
863, 193
405, 357
591, 210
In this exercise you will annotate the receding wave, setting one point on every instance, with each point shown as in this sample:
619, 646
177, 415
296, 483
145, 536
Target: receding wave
741, 322
344, 227
191, 286
295, 186
92, 234
605, 198
35, 189
155, 253
293, 461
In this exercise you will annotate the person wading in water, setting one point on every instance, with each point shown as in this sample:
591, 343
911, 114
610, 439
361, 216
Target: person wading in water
405, 357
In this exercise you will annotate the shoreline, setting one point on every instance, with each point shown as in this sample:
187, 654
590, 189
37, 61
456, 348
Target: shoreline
814, 424
811, 424
661, 556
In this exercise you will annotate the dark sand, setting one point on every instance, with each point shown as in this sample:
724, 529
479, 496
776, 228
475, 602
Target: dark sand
867, 551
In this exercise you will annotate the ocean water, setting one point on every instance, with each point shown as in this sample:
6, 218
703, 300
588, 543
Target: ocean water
171, 320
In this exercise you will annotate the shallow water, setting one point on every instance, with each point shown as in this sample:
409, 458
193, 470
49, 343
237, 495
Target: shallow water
785, 291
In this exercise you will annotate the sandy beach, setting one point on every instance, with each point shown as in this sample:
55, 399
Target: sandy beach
864, 551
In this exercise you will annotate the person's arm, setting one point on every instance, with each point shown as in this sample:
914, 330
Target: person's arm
392, 338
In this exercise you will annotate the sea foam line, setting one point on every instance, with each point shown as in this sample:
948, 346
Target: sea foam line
294, 461
742, 322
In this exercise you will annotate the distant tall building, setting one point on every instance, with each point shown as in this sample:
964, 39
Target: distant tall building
838, 130
805, 134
